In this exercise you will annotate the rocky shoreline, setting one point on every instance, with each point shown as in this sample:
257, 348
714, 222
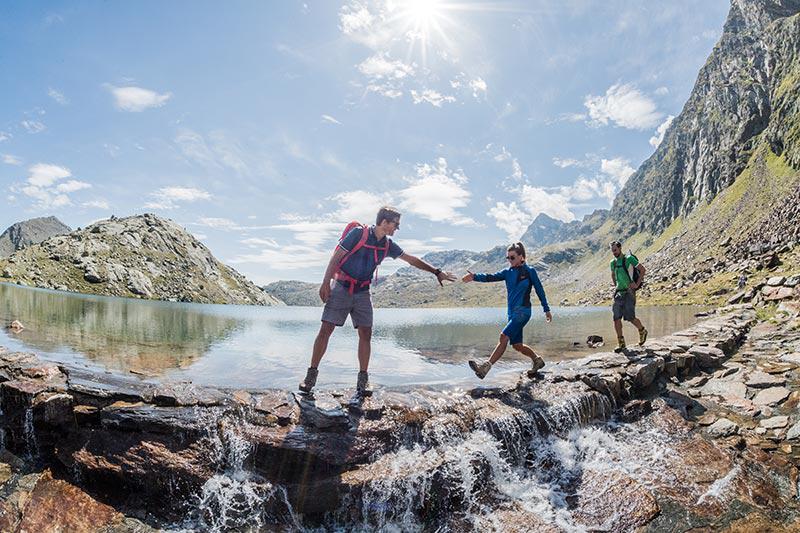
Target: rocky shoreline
141, 455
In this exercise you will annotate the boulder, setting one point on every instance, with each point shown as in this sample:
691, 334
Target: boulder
722, 428
771, 396
707, 356
645, 371
775, 422
794, 432
776, 281
763, 380
321, 411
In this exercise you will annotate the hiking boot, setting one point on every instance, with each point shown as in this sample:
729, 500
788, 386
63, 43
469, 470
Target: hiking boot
311, 379
620, 346
537, 363
362, 385
480, 369
642, 336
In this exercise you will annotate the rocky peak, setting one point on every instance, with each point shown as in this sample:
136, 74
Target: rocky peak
28, 232
139, 256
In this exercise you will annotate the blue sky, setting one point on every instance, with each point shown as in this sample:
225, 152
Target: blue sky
263, 127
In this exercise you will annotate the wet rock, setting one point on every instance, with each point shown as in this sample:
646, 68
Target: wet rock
594, 341
16, 326
775, 422
624, 504
102, 389
762, 380
722, 428
187, 394
645, 371
635, 409
55, 505
321, 411
771, 396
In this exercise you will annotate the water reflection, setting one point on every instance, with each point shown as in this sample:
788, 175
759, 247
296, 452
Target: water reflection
117, 333
251, 346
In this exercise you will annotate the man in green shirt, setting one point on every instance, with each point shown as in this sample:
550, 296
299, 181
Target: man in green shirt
627, 276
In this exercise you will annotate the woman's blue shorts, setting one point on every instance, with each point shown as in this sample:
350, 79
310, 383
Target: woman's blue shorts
516, 321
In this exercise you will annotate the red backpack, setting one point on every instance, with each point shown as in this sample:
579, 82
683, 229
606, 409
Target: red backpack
362, 243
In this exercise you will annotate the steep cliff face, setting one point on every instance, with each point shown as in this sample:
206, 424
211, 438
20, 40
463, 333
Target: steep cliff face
746, 92
29, 232
140, 256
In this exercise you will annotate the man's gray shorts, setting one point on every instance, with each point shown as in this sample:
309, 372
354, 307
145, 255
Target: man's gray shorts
624, 305
341, 303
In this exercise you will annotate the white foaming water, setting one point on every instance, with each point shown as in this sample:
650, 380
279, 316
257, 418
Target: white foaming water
31, 447
718, 488
235, 499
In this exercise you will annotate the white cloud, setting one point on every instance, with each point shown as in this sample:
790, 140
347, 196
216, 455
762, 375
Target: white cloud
42, 186
33, 126
57, 96
510, 218
618, 168
136, 99
504, 154
442, 239
437, 193
256, 242
217, 151
380, 67
218, 223
355, 18
72, 186
656, 139
478, 87
4, 136
169, 197
662, 91
45, 175
624, 106
566, 162
434, 98
97, 204
516, 170
328, 118
9, 159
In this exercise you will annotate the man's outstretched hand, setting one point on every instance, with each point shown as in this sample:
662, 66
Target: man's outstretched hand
469, 276
445, 276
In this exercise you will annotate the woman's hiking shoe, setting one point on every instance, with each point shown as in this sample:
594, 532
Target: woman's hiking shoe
536, 365
311, 379
362, 384
620, 346
642, 336
480, 369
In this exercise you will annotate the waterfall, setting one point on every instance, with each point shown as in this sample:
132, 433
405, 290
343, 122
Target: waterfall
235, 498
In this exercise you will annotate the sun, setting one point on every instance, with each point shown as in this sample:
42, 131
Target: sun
422, 14
423, 21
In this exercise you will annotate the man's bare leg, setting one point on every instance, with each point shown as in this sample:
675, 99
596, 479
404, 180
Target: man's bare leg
364, 347
321, 343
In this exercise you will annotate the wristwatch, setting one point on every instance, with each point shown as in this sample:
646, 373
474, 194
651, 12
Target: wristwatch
437, 272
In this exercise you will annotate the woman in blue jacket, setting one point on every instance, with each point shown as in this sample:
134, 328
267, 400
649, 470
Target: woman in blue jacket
520, 279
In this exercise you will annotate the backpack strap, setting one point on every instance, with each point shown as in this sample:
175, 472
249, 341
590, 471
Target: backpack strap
344, 276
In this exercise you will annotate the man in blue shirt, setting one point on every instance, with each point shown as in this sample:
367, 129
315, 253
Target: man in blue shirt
352, 265
520, 280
